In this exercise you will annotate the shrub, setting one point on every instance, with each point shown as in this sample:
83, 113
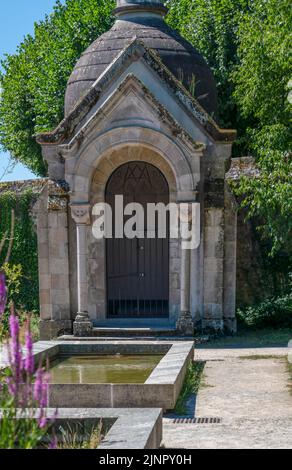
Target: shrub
275, 312
18, 249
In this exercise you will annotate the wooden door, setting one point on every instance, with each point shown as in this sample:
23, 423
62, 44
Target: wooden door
138, 269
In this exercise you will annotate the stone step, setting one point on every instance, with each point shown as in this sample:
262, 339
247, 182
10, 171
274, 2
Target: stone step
197, 339
119, 332
120, 339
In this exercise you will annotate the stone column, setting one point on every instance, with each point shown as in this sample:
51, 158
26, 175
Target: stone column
230, 240
185, 324
81, 215
52, 231
213, 269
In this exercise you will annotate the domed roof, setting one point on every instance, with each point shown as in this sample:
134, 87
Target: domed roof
178, 55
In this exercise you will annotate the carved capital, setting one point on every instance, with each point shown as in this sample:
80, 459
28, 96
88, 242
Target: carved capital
81, 213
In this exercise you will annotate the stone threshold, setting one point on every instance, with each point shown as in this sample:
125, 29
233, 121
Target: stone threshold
133, 331
136, 337
197, 340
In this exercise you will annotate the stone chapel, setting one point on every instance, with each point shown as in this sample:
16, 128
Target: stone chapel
140, 121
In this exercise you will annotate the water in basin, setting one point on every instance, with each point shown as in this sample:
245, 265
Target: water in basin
103, 369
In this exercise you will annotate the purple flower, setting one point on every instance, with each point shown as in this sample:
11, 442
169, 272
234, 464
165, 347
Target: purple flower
12, 388
29, 360
28, 390
44, 398
3, 293
43, 421
41, 388
54, 443
15, 348
38, 386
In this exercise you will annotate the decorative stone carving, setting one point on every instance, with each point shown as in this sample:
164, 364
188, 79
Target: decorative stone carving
81, 213
57, 195
57, 203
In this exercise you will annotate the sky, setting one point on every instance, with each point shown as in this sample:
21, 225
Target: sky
17, 18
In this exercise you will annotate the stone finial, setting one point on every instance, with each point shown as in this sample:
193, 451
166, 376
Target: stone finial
81, 213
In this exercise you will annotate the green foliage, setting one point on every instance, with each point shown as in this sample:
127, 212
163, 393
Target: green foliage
23, 395
261, 82
22, 270
75, 437
274, 312
34, 79
23, 317
13, 275
22, 433
212, 28
264, 70
191, 385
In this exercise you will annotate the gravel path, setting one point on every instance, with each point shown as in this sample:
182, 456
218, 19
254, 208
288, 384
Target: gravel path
249, 390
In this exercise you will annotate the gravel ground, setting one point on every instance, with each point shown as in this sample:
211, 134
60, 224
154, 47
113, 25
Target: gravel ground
249, 390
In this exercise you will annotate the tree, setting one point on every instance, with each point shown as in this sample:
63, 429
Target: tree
212, 27
34, 79
261, 81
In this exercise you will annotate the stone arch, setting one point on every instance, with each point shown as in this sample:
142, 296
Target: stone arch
118, 156
99, 147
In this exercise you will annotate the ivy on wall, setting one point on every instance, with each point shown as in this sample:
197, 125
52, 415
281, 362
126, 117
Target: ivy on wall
24, 247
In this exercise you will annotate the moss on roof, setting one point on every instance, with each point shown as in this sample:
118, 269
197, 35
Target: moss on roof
19, 187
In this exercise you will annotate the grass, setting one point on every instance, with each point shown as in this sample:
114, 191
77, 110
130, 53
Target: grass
74, 437
192, 383
267, 337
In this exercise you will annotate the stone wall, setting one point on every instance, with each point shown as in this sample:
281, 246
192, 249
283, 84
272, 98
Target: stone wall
258, 276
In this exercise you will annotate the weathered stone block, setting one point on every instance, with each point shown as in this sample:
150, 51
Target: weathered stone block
52, 329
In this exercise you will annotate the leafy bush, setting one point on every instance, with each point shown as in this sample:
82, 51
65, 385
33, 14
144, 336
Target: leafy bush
275, 312
18, 257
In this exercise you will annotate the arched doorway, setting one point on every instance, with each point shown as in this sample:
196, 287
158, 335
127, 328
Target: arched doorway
138, 268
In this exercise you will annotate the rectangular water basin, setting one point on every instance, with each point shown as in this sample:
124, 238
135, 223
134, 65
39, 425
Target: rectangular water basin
103, 369
159, 387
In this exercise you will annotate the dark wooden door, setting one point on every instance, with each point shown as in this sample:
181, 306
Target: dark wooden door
138, 268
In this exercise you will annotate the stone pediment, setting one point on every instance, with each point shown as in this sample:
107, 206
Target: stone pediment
132, 105
133, 53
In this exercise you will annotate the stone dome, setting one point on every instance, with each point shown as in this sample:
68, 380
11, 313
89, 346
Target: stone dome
144, 21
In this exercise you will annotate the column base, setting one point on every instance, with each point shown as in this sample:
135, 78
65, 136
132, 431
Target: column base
230, 325
185, 325
52, 329
82, 325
